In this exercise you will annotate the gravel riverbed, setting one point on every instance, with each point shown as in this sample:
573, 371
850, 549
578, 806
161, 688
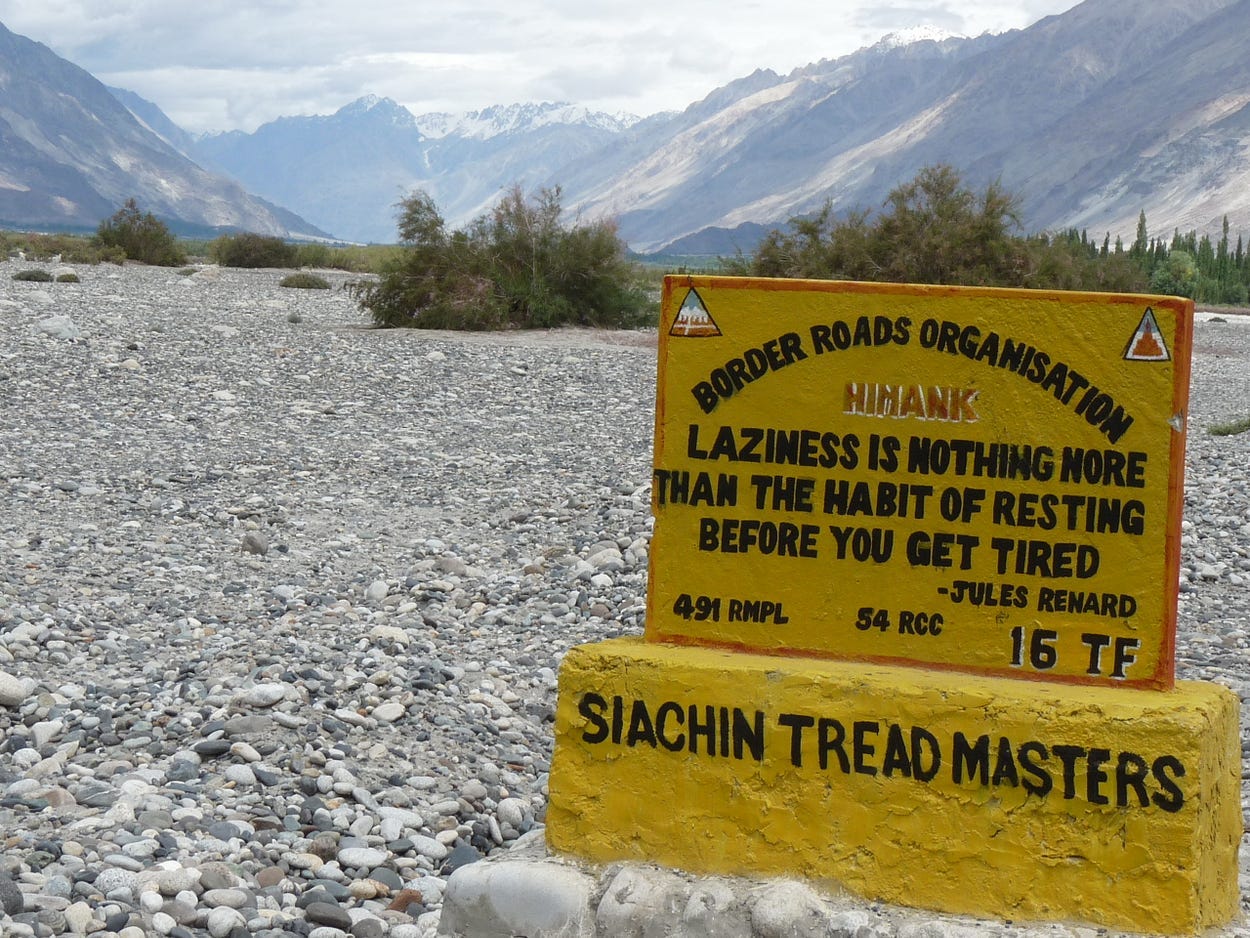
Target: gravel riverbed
283, 597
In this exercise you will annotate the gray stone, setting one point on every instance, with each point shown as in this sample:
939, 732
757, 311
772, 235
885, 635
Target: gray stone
326, 913
500, 900
224, 919
264, 695
59, 327
12, 690
78, 918
11, 899
254, 543
369, 927
111, 879
642, 902
361, 858
788, 909
714, 911
461, 855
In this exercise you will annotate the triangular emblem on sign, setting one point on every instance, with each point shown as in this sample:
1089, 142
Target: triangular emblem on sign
1147, 343
693, 319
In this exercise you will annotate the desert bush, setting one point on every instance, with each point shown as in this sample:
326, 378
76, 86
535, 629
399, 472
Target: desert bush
141, 236
252, 250
313, 255
34, 276
68, 278
58, 248
112, 255
53, 248
305, 281
1231, 428
516, 266
365, 258
934, 229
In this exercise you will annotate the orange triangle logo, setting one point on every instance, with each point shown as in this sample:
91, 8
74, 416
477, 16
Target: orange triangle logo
693, 319
1147, 344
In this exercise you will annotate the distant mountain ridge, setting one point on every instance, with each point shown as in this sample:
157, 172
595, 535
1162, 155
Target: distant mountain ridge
346, 171
71, 154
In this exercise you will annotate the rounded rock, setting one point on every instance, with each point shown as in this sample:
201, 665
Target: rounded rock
361, 858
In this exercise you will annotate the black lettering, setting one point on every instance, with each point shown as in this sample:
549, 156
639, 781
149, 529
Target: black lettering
862, 748
1068, 756
706, 729
1171, 798
591, 708
922, 740
706, 396
618, 719
820, 338
895, 758
640, 728
748, 735
1096, 775
797, 722
1041, 783
972, 758
670, 710
1130, 773
830, 736
1005, 764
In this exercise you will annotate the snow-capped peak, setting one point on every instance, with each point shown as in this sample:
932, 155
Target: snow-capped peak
914, 34
502, 119
385, 108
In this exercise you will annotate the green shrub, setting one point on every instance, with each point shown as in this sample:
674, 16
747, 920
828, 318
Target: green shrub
313, 255
141, 236
514, 267
252, 250
934, 229
365, 258
34, 276
1232, 428
52, 248
68, 278
305, 281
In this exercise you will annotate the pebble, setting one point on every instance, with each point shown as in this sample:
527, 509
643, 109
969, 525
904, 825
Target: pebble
12, 690
361, 857
291, 632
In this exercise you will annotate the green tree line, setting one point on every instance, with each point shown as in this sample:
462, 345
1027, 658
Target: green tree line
934, 229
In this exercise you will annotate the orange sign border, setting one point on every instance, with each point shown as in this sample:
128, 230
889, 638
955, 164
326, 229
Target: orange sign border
1180, 343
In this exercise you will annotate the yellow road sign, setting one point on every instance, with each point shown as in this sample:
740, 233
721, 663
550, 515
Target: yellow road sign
977, 479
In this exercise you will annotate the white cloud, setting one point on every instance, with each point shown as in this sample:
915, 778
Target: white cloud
219, 64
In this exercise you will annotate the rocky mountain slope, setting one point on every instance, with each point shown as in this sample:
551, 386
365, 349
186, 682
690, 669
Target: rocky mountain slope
1092, 116
71, 154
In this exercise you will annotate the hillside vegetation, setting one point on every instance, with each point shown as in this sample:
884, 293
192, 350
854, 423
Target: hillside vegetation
934, 229
516, 266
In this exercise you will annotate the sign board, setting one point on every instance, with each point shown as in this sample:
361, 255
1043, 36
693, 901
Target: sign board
975, 479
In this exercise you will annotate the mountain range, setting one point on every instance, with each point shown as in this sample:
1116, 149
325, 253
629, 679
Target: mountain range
71, 154
348, 170
1091, 117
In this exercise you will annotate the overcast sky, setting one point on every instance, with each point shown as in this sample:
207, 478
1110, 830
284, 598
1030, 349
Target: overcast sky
235, 64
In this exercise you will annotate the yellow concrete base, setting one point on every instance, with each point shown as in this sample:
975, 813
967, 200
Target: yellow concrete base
983, 796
